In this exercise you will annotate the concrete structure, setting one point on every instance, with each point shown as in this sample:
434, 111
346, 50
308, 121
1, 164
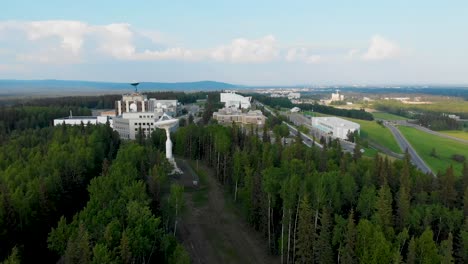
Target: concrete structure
295, 109
129, 124
159, 107
334, 126
166, 122
235, 100
132, 113
337, 96
294, 96
232, 114
136, 102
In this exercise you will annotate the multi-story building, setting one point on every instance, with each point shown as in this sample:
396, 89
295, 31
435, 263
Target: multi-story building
132, 113
334, 126
128, 125
232, 114
235, 100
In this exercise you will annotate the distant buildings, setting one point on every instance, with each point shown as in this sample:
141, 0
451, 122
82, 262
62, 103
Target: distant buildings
334, 126
235, 100
232, 114
337, 96
133, 113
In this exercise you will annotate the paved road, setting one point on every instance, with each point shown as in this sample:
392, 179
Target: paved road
300, 119
404, 144
427, 130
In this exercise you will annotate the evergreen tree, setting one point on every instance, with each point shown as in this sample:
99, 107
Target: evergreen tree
426, 248
348, 255
448, 193
305, 233
324, 248
447, 250
383, 210
411, 257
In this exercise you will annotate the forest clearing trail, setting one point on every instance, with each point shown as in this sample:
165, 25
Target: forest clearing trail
210, 231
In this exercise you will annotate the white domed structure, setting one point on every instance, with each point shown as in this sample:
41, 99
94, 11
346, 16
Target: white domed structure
133, 107
166, 122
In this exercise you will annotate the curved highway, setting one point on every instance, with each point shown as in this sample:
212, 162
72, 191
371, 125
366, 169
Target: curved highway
404, 144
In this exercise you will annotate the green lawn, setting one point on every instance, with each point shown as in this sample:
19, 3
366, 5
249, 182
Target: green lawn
378, 134
388, 116
372, 131
456, 133
423, 143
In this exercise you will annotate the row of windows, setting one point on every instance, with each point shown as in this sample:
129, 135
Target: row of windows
144, 124
144, 129
146, 116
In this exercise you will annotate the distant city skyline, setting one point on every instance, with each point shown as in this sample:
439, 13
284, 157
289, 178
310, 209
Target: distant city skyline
241, 42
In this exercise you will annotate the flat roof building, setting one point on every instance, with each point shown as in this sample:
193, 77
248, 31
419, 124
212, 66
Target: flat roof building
232, 114
235, 100
334, 126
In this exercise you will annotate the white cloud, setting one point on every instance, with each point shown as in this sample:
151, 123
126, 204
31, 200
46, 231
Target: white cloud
302, 55
65, 41
352, 53
381, 48
244, 50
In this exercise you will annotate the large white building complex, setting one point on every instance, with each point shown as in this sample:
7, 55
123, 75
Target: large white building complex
235, 110
132, 113
334, 126
232, 114
235, 100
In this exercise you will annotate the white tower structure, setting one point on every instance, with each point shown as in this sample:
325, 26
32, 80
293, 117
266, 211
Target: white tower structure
166, 122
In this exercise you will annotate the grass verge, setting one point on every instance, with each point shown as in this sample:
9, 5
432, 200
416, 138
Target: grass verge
423, 143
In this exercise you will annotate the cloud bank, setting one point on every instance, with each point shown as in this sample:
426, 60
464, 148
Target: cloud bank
68, 42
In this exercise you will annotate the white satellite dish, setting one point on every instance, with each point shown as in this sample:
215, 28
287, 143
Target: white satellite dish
133, 107
158, 105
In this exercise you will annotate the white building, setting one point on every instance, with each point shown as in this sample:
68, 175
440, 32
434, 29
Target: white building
337, 96
129, 124
295, 109
235, 100
132, 113
159, 107
294, 96
233, 114
77, 120
334, 126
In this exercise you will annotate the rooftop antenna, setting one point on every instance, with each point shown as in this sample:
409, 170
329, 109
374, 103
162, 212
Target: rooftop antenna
136, 86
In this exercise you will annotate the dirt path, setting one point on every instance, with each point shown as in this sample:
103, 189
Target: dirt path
213, 233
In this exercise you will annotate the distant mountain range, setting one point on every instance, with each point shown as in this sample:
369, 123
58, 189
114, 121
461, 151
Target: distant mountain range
60, 87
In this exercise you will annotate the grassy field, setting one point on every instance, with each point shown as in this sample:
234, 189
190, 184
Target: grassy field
456, 133
388, 116
423, 143
372, 131
378, 134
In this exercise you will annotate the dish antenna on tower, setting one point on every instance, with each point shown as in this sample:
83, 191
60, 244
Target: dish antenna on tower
136, 86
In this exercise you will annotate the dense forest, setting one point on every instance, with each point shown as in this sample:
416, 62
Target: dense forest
122, 221
25, 117
43, 175
64, 180
325, 206
286, 103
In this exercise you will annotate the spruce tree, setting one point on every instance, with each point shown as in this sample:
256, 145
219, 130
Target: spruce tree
348, 255
324, 248
305, 233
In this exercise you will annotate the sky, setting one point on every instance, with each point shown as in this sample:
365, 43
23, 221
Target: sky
242, 42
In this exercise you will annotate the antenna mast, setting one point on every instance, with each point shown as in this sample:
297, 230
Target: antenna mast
136, 86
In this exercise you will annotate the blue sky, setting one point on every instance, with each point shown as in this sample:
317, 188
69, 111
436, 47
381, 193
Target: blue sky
243, 42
